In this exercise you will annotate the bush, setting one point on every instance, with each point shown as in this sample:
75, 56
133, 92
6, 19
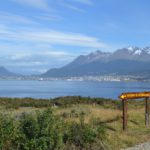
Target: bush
10, 136
84, 136
42, 132
45, 131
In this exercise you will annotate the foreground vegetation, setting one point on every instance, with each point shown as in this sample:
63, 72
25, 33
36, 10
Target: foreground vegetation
69, 123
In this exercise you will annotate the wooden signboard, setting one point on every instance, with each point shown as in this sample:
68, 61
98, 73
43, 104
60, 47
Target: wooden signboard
134, 95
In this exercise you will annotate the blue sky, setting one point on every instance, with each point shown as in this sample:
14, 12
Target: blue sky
36, 35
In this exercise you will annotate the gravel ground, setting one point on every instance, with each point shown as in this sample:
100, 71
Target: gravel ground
144, 146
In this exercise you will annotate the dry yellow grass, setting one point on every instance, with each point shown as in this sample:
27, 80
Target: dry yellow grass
116, 137
20, 110
94, 111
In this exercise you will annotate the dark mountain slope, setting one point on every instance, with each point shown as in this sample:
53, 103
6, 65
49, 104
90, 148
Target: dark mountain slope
126, 61
5, 72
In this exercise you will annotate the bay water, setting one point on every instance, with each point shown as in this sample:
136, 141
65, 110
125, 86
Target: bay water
52, 89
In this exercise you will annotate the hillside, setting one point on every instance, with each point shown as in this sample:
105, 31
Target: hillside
126, 61
4, 72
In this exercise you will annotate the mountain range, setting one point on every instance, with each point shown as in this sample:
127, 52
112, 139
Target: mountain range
125, 61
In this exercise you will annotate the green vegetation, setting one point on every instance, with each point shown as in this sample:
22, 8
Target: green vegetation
69, 123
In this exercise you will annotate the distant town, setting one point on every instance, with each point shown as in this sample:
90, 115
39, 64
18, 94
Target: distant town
100, 78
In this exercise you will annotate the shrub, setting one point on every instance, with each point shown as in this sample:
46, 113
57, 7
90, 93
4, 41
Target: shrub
42, 131
45, 131
10, 136
83, 136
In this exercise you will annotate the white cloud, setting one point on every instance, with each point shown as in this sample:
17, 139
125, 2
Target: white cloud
73, 4
35, 62
40, 4
87, 2
47, 17
39, 55
13, 18
36, 49
50, 37
70, 6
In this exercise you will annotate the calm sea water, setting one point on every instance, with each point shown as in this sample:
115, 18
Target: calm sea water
51, 89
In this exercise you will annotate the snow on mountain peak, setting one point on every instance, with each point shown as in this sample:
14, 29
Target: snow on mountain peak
147, 50
130, 48
137, 52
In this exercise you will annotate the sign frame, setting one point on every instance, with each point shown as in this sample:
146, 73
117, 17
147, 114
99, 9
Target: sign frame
134, 95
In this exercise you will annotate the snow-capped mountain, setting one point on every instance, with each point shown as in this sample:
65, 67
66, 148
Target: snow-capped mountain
128, 53
129, 60
139, 51
132, 53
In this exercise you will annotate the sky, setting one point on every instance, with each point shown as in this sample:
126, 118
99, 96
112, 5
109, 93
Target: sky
36, 35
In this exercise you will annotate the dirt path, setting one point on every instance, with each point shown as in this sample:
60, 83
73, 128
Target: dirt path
143, 146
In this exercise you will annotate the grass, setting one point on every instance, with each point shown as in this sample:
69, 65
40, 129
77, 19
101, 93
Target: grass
94, 111
112, 118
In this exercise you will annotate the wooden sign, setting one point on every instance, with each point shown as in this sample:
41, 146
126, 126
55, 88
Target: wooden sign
134, 95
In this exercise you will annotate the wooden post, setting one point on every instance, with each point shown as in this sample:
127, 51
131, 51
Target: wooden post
135, 95
146, 112
124, 108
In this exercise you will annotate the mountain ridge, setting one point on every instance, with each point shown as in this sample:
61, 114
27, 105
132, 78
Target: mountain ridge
5, 72
129, 60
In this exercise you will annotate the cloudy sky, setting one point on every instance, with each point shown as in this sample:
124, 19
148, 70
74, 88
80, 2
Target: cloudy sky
36, 35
